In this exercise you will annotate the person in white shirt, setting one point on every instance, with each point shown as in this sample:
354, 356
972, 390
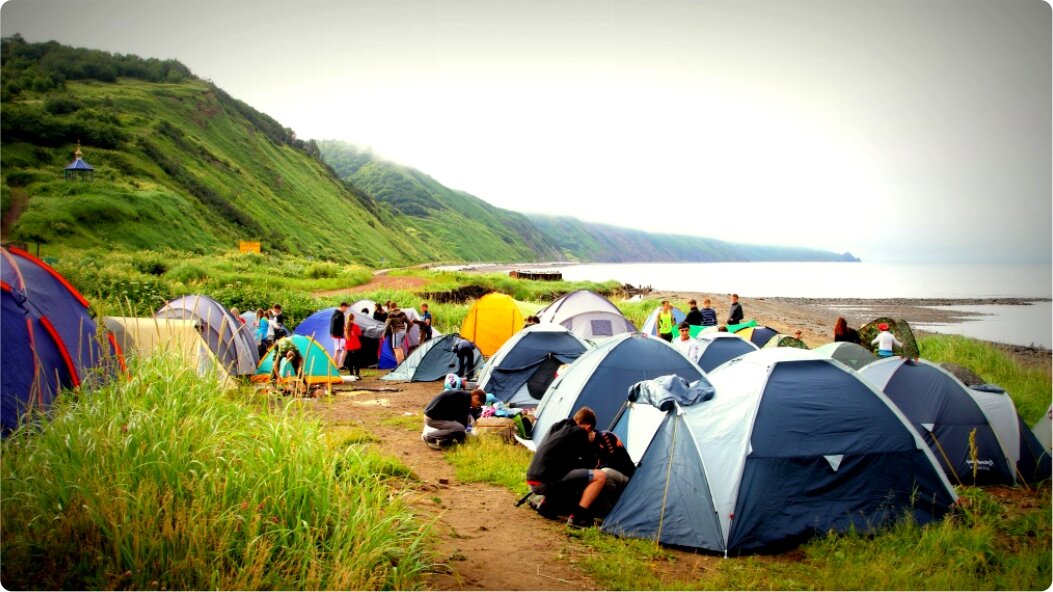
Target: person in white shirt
685, 344
885, 340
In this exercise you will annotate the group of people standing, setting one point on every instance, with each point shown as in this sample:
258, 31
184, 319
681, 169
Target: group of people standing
704, 317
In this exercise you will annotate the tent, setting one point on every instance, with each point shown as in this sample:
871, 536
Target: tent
433, 360
1043, 430
522, 370
368, 305
975, 432
48, 338
317, 366
759, 335
650, 326
587, 314
719, 347
781, 340
146, 337
491, 320
901, 329
316, 325
601, 377
853, 355
789, 446
230, 339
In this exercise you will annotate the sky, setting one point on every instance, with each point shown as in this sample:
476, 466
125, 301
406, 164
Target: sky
912, 130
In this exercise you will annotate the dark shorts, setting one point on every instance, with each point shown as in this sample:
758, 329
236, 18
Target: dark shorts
667, 336
576, 479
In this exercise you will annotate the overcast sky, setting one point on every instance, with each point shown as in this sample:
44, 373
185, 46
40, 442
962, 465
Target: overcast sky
899, 131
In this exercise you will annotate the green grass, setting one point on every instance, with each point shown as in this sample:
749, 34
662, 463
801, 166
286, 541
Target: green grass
162, 481
490, 460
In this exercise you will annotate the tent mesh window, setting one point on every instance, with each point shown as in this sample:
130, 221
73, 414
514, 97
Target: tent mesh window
602, 327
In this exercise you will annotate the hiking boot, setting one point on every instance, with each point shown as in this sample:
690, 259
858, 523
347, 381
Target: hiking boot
576, 522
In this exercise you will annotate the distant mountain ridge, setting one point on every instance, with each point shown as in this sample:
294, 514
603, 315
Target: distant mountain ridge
180, 164
417, 195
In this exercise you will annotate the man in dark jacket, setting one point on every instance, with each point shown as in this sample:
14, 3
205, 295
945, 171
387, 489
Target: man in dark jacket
735, 312
611, 456
563, 469
448, 415
694, 316
336, 331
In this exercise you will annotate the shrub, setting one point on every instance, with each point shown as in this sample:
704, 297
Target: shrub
324, 269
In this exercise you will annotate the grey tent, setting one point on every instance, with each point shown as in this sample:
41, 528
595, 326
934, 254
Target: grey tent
521, 371
786, 447
433, 360
975, 432
230, 339
587, 314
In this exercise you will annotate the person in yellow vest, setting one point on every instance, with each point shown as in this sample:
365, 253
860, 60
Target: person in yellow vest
666, 321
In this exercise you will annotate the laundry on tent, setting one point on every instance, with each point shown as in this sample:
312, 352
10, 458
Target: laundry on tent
601, 377
766, 451
49, 339
975, 432
230, 339
491, 321
588, 315
433, 360
521, 371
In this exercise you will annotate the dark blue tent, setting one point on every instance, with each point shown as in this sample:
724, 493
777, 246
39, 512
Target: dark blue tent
975, 432
49, 340
520, 372
601, 377
717, 348
789, 447
433, 360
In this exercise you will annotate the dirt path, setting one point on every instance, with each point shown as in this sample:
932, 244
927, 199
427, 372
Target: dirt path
19, 201
379, 281
484, 540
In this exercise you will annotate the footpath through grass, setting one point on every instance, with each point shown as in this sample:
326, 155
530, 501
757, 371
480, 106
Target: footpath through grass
165, 482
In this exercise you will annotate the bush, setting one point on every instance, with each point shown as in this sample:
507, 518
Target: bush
150, 264
61, 104
322, 270
187, 273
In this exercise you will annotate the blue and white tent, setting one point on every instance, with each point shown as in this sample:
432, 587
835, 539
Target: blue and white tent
716, 348
521, 371
975, 432
316, 326
788, 447
433, 360
601, 377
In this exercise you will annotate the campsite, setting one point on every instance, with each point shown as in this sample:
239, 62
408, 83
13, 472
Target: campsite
452, 512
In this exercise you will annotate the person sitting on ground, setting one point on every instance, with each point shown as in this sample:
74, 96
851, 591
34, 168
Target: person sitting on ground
709, 314
885, 341
842, 332
611, 456
665, 321
694, 316
685, 344
735, 314
448, 415
563, 470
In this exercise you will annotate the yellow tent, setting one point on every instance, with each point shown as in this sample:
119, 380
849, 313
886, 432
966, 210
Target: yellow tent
491, 321
145, 337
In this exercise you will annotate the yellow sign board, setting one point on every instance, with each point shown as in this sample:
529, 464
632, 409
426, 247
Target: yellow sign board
249, 247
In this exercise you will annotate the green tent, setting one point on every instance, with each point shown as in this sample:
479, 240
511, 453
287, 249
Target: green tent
899, 328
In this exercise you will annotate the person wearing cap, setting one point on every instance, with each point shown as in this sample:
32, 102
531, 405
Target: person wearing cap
885, 341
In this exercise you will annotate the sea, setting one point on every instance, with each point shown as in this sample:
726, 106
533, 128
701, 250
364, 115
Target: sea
1017, 324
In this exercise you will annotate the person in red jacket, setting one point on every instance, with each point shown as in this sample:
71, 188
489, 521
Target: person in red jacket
353, 345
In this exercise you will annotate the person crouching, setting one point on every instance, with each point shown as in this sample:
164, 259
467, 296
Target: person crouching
448, 415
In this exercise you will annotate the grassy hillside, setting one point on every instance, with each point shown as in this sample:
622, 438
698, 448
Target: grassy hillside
421, 200
178, 164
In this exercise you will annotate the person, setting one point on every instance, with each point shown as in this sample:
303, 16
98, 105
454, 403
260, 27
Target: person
287, 362
563, 469
666, 321
611, 456
530, 321
735, 314
709, 315
448, 415
842, 332
685, 344
278, 321
425, 322
465, 351
396, 326
263, 330
337, 330
353, 346
885, 341
694, 316
798, 336
380, 314
237, 314
268, 339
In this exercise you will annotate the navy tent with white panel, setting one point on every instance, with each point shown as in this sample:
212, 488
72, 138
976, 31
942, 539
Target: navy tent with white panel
521, 371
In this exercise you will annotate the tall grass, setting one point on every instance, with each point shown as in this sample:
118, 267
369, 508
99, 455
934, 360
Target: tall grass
1029, 386
164, 482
